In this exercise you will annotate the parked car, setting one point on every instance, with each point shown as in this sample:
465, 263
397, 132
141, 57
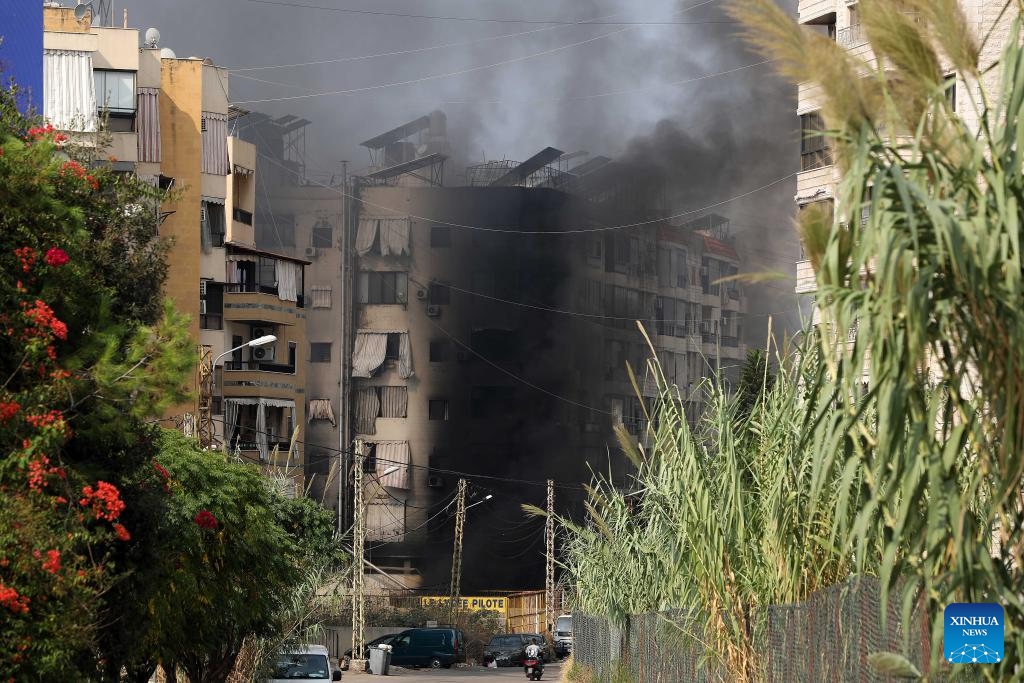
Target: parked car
563, 635
346, 658
509, 649
433, 647
303, 663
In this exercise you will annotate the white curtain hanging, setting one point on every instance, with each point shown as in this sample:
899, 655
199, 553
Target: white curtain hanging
394, 236
320, 409
366, 234
367, 407
368, 354
70, 93
287, 274
404, 356
230, 420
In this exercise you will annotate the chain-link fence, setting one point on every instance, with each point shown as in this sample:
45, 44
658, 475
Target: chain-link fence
826, 638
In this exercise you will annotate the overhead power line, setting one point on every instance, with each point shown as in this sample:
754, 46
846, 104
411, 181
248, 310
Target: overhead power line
489, 20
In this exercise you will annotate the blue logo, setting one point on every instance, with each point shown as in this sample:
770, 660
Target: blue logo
973, 633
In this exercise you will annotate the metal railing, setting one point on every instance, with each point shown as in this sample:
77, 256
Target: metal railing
851, 36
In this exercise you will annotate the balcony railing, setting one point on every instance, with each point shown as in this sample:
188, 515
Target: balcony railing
262, 367
257, 288
851, 36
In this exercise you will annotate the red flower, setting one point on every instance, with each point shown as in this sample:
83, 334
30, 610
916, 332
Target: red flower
206, 520
45, 322
105, 501
122, 533
27, 256
10, 599
8, 410
56, 257
161, 470
52, 563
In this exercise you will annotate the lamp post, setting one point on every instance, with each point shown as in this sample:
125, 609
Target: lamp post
259, 341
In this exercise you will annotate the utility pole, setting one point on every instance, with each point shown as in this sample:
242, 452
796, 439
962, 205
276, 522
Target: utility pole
357, 559
549, 568
460, 522
345, 380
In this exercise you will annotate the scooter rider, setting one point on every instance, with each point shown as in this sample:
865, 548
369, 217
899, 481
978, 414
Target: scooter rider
533, 651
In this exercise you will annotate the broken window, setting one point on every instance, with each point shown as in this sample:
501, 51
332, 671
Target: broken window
383, 287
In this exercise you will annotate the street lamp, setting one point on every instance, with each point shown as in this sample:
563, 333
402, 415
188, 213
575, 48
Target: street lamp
259, 341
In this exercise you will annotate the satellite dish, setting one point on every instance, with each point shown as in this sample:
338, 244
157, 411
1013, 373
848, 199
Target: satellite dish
422, 150
167, 53
152, 37
81, 9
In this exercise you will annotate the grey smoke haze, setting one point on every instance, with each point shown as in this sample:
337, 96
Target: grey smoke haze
715, 138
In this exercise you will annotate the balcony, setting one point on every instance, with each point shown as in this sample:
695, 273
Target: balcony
851, 36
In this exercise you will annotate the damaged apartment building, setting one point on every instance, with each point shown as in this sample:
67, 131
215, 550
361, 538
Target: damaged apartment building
485, 328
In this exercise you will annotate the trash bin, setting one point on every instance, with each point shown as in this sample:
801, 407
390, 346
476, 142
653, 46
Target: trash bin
380, 661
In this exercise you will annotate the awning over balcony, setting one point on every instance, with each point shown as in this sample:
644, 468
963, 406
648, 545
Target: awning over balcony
390, 454
371, 350
320, 409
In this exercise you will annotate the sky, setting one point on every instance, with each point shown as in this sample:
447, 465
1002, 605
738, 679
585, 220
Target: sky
665, 81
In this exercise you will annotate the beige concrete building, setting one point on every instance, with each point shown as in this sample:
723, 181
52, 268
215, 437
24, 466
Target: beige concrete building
167, 119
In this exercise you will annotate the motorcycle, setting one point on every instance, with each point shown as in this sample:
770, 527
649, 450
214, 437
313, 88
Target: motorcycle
534, 668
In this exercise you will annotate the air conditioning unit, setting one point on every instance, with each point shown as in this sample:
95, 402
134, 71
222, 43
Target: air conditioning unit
202, 287
435, 482
202, 307
258, 332
264, 354
312, 252
421, 294
434, 311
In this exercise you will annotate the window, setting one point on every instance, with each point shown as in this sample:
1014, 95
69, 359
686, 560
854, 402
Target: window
115, 97
393, 350
321, 296
814, 149
681, 275
437, 409
320, 352
440, 350
440, 236
213, 318
323, 235
383, 288
440, 293
212, 223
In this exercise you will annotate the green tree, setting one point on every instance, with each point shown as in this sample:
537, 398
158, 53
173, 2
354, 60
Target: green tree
234, 549
79, 373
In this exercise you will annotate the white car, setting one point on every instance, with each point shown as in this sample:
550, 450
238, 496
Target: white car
304, 663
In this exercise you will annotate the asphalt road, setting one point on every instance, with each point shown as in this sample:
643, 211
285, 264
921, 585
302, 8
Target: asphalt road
552, 672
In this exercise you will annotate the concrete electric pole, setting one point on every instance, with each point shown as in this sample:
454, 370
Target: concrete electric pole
460, 522
359, 533
549, 565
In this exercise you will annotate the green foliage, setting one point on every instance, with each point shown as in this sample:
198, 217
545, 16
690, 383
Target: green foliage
932, 280
230, 579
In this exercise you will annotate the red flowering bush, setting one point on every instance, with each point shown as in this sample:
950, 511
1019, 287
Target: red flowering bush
205, 519
104, 501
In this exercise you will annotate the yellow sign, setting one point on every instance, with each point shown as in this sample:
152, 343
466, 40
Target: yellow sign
468, 603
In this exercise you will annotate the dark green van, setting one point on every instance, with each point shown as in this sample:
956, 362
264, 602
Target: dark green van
433, 647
